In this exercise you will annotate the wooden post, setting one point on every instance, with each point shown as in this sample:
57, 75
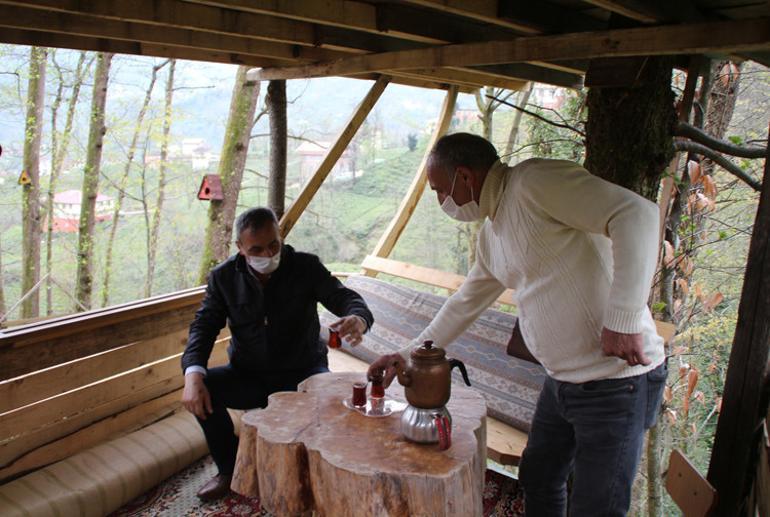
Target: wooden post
291, 216
736, 435
413, 195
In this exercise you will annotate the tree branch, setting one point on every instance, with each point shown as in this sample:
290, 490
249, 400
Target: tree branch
693, 147
693, 133
540, 117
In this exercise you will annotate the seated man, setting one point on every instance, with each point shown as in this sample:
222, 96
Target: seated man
267, 293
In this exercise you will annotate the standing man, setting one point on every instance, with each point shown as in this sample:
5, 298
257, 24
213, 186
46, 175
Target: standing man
580, 253
267, 294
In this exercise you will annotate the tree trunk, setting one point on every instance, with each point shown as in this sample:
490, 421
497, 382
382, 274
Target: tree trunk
629, 130
91, 182
513, 135
30, 197
124, 183
629, 135
725, 81
2, 288
152, 243
276, 104
231, 165
59, 151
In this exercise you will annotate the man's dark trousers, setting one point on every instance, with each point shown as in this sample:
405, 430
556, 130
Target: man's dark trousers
594, 430
235, 389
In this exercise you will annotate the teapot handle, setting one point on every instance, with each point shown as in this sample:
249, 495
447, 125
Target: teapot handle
463, 371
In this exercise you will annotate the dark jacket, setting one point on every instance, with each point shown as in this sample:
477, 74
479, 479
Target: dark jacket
273, 328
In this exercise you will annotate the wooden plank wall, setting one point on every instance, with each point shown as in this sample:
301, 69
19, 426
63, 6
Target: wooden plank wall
70, 383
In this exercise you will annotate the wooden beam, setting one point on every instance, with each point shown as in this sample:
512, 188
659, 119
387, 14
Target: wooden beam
166, 14
528, 72
434, 277
742, 410
482, 10
50, 382
291, 216
466, 76
109, 427
18, 358
96, 27
49, 39
165, 372
413, 195
663, 40
652, 12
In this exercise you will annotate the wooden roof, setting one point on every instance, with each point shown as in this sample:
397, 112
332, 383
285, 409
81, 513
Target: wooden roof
430, 43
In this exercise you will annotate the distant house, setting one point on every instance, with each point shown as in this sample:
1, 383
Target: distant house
312, 154
66, 210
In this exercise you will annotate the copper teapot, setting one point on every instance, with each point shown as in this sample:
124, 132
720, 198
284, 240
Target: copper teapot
427, 382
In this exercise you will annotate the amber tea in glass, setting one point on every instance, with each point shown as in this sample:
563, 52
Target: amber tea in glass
378, 389
334, 339
359, 394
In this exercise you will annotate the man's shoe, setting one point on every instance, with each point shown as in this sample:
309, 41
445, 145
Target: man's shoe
217, 487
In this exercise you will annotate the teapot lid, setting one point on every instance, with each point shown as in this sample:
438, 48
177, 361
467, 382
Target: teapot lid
428, 352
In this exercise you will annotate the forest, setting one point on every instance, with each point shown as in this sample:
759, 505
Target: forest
103, 157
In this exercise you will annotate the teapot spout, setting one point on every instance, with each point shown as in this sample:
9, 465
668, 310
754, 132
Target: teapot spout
461, 366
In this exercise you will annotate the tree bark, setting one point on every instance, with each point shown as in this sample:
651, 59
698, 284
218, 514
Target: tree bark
59, 151
629, 130
2, 287
513, 135
152, 241
90, 189
234, 149
30, 197
276, 104
124, 183
725, 82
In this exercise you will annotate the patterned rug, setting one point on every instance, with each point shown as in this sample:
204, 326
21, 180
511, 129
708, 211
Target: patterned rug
176, 497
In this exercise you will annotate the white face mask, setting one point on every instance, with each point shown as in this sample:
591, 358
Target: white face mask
264, 265
466, 213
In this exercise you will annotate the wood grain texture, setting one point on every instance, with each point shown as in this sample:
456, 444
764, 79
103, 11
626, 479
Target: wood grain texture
307, 452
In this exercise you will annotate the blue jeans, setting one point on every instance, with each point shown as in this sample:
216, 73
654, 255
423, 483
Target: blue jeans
594, 430
235, 389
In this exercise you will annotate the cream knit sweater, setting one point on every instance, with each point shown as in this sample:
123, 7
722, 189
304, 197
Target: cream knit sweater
580, 253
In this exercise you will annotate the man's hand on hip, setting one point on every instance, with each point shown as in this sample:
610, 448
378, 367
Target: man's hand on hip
195, 396
629, 347
351, 328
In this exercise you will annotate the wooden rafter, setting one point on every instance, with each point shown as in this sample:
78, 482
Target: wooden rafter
79, 25
482, 10
652, 12
248, 27
413, 195
670, 39
310, 188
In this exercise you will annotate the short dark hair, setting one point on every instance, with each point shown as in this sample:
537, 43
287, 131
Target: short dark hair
253, 219
463, 149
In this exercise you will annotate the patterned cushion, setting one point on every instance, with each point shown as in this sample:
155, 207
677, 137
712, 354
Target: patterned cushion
509, 385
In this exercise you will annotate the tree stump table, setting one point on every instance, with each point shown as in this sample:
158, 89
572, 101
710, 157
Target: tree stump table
307, 453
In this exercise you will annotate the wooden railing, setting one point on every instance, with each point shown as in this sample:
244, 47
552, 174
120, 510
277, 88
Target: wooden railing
69, 383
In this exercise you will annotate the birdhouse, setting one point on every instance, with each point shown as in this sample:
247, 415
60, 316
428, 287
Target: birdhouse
24, 178
211, 188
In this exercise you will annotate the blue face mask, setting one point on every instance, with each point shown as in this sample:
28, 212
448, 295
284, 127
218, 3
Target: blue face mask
264, 265
466, 213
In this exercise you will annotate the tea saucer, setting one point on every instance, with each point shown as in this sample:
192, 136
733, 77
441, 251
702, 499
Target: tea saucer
390, 406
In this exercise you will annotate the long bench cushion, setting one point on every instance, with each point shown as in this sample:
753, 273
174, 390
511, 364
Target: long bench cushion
509, 385
101, 479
